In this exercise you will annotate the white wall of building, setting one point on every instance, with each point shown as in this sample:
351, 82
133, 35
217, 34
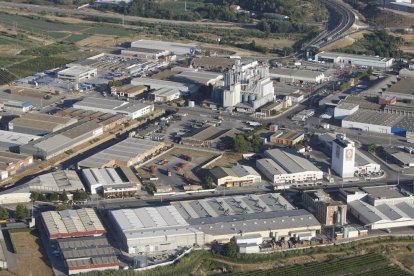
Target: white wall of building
366, 127
343, 159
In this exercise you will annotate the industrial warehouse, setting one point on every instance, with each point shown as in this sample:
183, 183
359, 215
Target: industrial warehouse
380, 207
54, 144
202, 222
40, 124
358, 60
131, 109
72, 223
107, 181
295, 75
236, 176
10, 140
285, 166
126, 153
380, 122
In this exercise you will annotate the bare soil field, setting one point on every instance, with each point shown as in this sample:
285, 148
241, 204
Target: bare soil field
30, 259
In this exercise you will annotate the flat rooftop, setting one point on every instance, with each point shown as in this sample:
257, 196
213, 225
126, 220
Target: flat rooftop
175, 47
57, 181
42, 121
347, 105
404, 86
76, 70
7, 157
384, 192
290, 161
165, 91
374, 118
296, 73
110, 105
16, 138
199, 77
122, 151
351, 56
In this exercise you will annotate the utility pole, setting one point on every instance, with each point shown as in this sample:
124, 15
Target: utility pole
185, 5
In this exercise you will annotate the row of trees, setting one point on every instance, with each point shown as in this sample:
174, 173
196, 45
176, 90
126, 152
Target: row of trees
63, 197
21, 212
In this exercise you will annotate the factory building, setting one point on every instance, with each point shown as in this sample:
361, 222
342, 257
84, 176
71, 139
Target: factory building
11, 163
153, 84
283, 166
108, 181
204, 221
123, 154
216, 64
77, 73
236, 176
39, 124
210, 137
395, 155
128, 90
58, 181
344, 109
380, 207
107, 120
403, 89
13, 106
145, 53
325, 209
297, 75
164, 95
287, 137
173, 47
362, 165
87, 254
72, 223
131, 109
199, 77
10, 140
380, 122
247, 86
54, 144
358, 60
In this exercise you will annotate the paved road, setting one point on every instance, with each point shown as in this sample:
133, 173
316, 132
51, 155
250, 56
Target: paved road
341, 19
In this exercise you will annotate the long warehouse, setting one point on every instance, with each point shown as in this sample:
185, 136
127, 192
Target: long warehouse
204, 221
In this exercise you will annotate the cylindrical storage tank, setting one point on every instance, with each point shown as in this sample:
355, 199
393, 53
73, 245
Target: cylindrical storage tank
245, 98
252, 98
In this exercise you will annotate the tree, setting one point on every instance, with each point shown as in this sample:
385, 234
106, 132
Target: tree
21, 211
241, 145
372, 148
209, 182
256, 142
80, 196
4, 213
54, 197
230, 250
64, 197
34, 196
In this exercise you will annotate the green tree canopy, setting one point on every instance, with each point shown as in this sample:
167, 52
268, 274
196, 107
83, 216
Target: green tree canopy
4, 213
21, 211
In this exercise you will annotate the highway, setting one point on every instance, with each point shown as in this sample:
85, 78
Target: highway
341, 19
